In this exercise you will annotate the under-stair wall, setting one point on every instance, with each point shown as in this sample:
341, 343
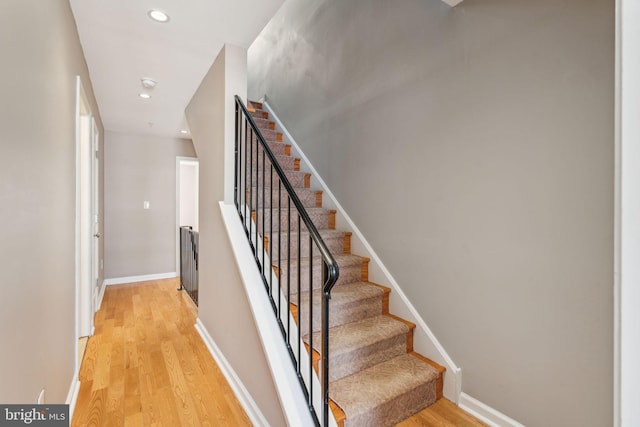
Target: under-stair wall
473, 147
224, 316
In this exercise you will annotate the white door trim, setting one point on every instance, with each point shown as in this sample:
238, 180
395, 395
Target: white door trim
84, 301
179, 161
627, 216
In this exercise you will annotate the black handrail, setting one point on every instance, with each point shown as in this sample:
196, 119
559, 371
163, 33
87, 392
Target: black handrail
330, 271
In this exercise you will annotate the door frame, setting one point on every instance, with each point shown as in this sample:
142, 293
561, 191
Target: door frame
179, 161
86, 202
627, 215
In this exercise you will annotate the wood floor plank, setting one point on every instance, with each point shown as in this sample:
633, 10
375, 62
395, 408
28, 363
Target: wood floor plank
146, 365
443, 413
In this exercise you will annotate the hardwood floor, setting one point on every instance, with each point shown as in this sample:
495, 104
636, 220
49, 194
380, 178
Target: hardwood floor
147, 366
443, 413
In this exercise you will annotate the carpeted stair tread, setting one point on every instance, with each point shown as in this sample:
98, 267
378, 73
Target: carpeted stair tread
319, 216
278, 148
271, 135
362, 344
350, 271
307, 196
349, 303
386, 393
263, 123
285, 162
334, 239
298, 179
343, 260
254, 105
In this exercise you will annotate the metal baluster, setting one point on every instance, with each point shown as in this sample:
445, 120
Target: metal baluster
235, 174
255, 251
310, 321
271, 231
263, 208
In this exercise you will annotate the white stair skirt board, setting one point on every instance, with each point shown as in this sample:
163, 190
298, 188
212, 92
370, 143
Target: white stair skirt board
486, 413
143, 278
283, 373
425, 342
103, 287
244, 397
72, 396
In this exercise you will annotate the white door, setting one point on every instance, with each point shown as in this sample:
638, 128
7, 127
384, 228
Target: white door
84, 214
95, 215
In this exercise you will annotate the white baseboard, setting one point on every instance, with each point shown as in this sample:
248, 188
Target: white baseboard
246, 400
486, 413
72, 396
143, 278
425, 340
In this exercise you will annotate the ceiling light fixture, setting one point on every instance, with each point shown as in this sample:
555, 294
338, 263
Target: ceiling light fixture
184, 132
148, 83
158, 16
144, 95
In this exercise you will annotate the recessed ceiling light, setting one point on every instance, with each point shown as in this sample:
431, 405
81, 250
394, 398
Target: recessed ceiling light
158, 15
184, 132
148, 83
144, 95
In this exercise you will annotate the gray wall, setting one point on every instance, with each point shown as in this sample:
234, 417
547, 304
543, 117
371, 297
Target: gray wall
224, 309
41, 56
474, 148
141, 168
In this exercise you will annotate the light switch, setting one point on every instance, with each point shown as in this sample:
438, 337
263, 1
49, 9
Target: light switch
146, 204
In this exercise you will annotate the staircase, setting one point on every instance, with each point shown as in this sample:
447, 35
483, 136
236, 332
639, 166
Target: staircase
376, 379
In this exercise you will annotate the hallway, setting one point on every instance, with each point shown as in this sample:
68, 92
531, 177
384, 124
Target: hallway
146, 365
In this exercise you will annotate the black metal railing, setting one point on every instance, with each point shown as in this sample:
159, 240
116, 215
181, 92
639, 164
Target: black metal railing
189, 262
285, 242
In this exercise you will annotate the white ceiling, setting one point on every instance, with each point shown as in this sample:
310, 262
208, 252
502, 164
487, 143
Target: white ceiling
122, 45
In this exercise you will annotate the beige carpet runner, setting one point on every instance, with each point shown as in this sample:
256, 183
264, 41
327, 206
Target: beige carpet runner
375, 377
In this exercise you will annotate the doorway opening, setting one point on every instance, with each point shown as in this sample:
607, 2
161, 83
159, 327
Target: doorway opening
187, 187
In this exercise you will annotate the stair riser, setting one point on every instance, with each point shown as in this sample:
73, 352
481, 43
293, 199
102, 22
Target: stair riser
348, 274
271, 135
320, 218
277, 148
392, 412
339, 315
260, 114
265, 124
364, 357
306, 196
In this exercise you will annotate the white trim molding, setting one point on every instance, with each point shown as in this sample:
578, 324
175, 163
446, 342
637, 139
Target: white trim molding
425, 341
626, 391
486, 413
244, 397
72, 396
143, 278
100, 295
